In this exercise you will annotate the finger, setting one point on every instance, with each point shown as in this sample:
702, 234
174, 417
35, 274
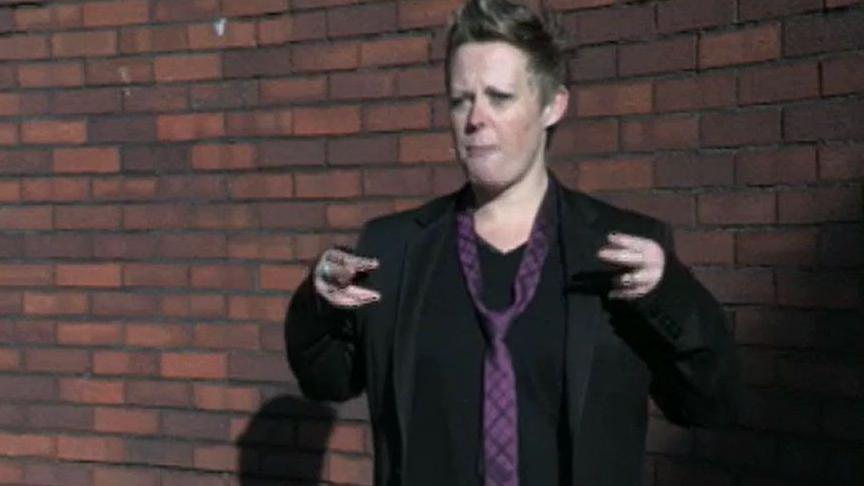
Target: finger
625, 240
352, 297
638, 278
628, 294
350, 261
623, 257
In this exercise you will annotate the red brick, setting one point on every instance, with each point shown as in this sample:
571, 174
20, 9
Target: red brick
420, 81
65, 74
660, 134
153, 216
334, 120
126, 421
608, 24
293, 89
153, 39
16, 445
779, 83
10, 191
93, 275
87, 334
599, 175
17, 275
119, 71
759, 9
270, 309
11, 472
585, 137
193, 67
212, 306
86, 390
404, 50
354, 215
261, 247
753, 127
9, 134
262, 186
55, 190
86, 160
157, 335
120, 189
222, 277
10, 104
397, 117
54, 132
412, 181
379, 149
620, 99
62, 361
254, 7
843, 76
326, 57
361, 19
126, 12
155, 99
840, 3
217, 458
330, 184
833, 290
201, 366
743, 46
215, 397
779, 247
191, 126
159, 393
425, 13
129, 246
823, 33
84, 44
113, 476
35, 218
192, 246
236, 34
428, 147
350, 469
281, 277
55, 303
259, 123
10, 360
820, 205
840, 162
678, 15
101, 449
676, 54
84, 217
224, 217
155, 275
737, 208
788, 165
836, 119
234, 336
121, 304
362, 85
172, 10
591, 63
576, 4
24, 47
296, 26
223, 156
739, 286
705, 247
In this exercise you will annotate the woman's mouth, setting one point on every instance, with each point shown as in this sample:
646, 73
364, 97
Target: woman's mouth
479, 151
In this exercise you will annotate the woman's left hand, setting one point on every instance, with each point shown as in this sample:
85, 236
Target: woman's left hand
644, 259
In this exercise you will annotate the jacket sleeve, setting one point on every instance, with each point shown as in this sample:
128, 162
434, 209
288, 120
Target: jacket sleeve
323, 345
683, 336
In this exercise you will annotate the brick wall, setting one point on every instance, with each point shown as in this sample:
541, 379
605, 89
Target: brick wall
168, 168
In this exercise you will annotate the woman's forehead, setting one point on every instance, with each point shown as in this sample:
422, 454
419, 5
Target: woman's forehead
488, 63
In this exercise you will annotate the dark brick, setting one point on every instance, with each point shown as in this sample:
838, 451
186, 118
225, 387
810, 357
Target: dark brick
824, 33
248, 63
678, 15
156, 158
291, 153
362, 19
112, 129
826, 120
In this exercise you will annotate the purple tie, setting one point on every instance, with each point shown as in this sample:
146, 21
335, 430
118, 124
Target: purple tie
500, 424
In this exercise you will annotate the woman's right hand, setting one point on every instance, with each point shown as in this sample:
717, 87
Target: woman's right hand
334, 275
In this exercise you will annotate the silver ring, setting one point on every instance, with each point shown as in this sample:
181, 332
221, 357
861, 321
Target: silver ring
324, 270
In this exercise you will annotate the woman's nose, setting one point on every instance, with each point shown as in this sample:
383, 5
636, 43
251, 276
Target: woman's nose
476, 117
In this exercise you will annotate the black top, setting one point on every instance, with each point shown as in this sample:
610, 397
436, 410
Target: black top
444, 435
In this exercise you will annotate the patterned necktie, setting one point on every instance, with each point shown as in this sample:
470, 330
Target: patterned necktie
500, 425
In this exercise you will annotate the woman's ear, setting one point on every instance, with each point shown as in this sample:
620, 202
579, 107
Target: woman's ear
557, 106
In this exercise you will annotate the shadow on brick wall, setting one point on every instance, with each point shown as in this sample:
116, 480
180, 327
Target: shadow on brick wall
285, 443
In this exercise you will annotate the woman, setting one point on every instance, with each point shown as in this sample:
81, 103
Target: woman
510, 333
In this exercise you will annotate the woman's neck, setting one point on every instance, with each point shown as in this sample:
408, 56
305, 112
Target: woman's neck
504, 219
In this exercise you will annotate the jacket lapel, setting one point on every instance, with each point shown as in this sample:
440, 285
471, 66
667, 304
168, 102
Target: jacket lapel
421, 256
580, 240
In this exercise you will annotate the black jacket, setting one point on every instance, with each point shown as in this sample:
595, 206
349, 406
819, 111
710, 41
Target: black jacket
673, 343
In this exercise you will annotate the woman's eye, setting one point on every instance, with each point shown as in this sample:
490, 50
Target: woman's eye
454, 102
500, 97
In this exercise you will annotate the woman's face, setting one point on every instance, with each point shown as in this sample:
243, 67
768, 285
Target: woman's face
498, 123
